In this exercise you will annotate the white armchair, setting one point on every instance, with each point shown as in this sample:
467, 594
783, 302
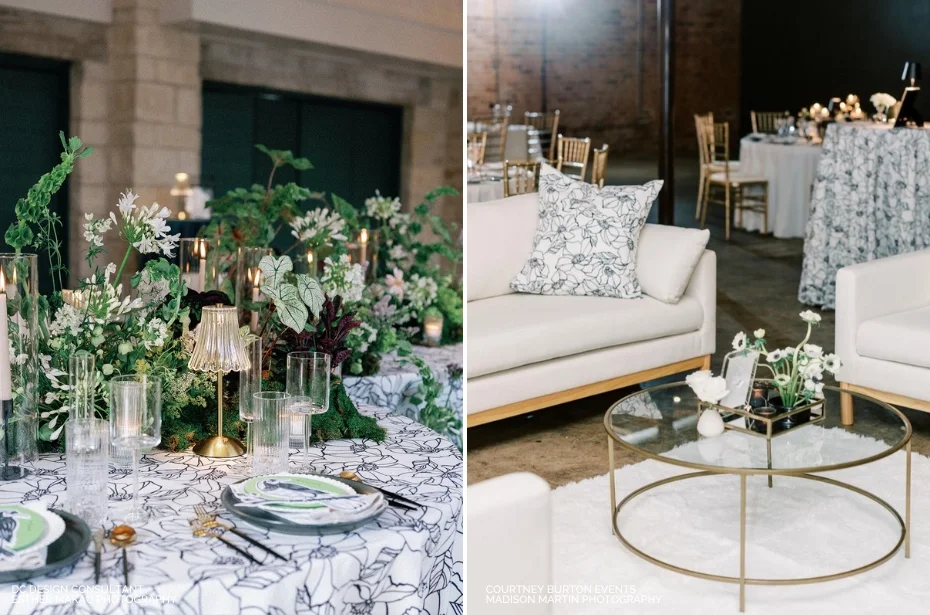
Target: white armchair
509, 542
883, 331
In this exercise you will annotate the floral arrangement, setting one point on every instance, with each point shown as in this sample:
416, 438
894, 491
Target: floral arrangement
882, 102
797, 372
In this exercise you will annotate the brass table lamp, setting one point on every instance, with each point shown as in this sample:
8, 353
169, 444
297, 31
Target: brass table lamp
219, 349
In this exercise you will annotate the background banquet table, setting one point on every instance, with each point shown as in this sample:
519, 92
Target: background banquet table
516, 148
404, 563
871, 200
790, 169
397, 382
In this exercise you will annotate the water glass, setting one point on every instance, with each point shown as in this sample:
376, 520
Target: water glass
87, 451
308, 386
250, 383
135, 424
271, 433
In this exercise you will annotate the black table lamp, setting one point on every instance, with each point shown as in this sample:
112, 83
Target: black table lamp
911, 73
907, 113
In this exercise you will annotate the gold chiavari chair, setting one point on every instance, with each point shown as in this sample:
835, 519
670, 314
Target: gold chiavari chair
520, 177
478, 141
544, 127
733, 183
708, 154
573, 153
496, 139
766, 121
599, 166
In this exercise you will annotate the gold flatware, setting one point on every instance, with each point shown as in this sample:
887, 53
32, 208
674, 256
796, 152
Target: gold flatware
199, 530
210, 521
122, 536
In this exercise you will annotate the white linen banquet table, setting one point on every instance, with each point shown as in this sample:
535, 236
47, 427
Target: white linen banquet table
515, 149
404, 563
397, 383
871, 200
790, 169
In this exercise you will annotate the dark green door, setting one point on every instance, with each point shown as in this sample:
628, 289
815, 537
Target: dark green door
33, 109
354, 147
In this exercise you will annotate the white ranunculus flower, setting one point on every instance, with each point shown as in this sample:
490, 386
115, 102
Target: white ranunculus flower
813, 351
739, 341
698, 377
709, 389
810, 316
759, 333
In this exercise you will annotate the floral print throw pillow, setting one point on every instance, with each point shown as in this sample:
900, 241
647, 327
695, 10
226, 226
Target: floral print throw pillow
586, 238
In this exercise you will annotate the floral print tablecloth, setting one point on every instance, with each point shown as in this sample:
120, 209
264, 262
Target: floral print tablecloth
404, 563
871, 200
396, 383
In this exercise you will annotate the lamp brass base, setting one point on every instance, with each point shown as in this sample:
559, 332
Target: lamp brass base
220, 447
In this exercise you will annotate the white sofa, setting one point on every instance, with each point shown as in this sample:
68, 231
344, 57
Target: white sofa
509, 542
883, 331
527, 352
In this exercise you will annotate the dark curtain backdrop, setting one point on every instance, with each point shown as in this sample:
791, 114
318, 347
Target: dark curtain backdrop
797, 52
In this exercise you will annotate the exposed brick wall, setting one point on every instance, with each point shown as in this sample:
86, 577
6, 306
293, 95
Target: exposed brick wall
597, 59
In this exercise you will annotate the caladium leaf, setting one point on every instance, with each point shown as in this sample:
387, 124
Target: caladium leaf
311, 293
289, 308
273, 270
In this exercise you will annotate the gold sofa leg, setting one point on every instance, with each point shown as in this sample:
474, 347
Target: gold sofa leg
846, 405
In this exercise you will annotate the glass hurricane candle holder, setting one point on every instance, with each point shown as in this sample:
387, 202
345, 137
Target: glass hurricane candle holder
19, 366
249, 298
199, 266
432, 329
308, 376
135, 424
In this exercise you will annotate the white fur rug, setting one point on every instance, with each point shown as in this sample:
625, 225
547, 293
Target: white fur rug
798, 528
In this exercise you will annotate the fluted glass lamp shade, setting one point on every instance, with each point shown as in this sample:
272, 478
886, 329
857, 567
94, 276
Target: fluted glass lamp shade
219, 349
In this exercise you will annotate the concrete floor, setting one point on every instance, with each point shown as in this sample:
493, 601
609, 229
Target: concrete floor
757, 286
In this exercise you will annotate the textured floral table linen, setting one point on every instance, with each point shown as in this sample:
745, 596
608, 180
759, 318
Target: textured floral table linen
871, 200
404, 563
396, 383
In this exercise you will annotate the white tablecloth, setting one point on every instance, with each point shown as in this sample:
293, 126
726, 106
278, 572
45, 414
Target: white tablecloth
516, 147
482, 192
871, 200
791, 170
397, 383
403, 563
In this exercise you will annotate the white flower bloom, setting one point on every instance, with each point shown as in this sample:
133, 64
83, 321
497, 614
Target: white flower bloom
782, 379
343, 278
810, 385
421, 292
127, 203
318, 226
775, 356
831, 363
739, 341
759, 333
382, 208
397, 253
395, 283
698, 377
813, 351
709, 389
811, 317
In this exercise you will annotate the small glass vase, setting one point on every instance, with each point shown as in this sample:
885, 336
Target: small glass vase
19, 366
249, 296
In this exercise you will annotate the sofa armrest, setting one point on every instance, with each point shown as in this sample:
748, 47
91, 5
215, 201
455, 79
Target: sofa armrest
878, 288
703, 287
509, 523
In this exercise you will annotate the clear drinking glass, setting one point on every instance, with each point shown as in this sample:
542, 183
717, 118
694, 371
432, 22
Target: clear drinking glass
250, 383
308, 386
271, 433
135, 424
87, 451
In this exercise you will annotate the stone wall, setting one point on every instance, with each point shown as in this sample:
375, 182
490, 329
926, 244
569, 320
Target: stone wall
136, 97
601, 65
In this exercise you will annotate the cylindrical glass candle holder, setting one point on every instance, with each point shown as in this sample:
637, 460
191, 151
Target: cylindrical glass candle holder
271, 433
82, 377
199, 266
19, 285
249, 297
432, 329
250, 383
307, 262
87, 447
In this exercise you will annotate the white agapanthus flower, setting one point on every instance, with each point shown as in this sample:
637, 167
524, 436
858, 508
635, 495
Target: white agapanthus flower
95, 229
145, 228
421, 292
343, 278
382, 208
318, 226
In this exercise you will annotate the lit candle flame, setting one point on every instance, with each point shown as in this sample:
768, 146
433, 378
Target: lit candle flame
258, 277
363, 236
2, 282
309, 258
203, 249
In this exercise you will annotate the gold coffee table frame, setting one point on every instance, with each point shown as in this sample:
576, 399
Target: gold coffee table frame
803, 473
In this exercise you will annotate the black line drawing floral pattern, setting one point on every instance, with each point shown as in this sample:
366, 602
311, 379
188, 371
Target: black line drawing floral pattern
404, 563
586, 238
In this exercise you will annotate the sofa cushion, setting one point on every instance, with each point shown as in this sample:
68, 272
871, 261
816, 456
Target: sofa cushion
903, 337
514, 330
666, 259
499, 235
586, 238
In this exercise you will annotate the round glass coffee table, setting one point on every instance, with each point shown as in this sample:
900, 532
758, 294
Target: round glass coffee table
661, 423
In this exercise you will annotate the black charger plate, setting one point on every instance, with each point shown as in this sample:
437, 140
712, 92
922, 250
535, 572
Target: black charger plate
69, 548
